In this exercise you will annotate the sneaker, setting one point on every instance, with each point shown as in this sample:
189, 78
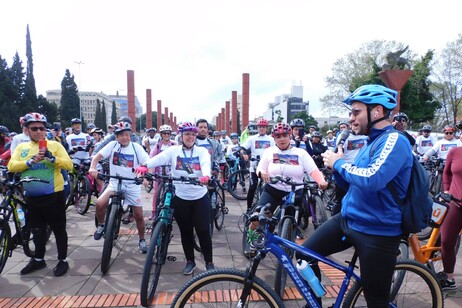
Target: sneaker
448, 285
209, 266
143, 246
300, 234
189, 268
33, 266
61, 268
126, 220
441, 276
99, 232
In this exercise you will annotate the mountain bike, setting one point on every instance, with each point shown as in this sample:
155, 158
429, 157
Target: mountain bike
114, 212
218, 203
313, 206
417, 287
80, 186
160, 237
239, 181
9, 211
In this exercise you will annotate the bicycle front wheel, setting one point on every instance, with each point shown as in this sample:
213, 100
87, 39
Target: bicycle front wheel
220, 210
70, 197
319, 214
221, 288
238, 184
83, 196
110, 235
417, 287
287, 232
155, 258
5, 238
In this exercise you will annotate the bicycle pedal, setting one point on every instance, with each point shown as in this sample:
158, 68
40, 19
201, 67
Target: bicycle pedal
225, 210
171, 258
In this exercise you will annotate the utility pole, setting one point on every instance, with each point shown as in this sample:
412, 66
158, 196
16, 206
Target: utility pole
80, 89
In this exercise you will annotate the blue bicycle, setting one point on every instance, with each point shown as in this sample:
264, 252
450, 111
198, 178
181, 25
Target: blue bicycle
413, 285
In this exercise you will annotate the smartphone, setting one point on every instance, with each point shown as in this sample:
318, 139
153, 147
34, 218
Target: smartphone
42, 145
301, 133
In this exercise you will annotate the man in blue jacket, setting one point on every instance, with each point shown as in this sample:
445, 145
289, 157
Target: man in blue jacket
370, 219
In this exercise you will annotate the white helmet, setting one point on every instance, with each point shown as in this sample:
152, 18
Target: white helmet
165, 128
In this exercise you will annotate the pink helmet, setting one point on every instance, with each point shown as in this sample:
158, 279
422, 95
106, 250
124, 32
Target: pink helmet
187, 127
281, 128
263, 122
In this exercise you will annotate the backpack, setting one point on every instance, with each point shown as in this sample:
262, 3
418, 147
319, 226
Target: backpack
416, 208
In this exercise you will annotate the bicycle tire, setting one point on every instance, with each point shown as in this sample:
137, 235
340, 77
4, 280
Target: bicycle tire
197, 246
160, 193
418, 288
220, 210
320, 214
84, 195
238, 184
109, 236
156, 256
438, 183
70, 196
280, 278
304, 212
28, 244
224, 283
5, 242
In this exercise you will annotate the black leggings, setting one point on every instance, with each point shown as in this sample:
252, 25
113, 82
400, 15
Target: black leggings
48, 210
377, 256
252, 187
274, 197
195, 214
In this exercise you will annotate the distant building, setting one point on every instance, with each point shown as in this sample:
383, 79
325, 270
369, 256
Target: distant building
123, 101
331, 122
286, 105
88, 104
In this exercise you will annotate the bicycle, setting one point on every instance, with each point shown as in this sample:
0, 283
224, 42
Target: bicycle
160, 238
80, 190
9, 211
114, 212
413, 284
313, 206
238, 181
430, 253
218, 203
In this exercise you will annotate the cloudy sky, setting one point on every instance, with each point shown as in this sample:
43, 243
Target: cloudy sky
192, 53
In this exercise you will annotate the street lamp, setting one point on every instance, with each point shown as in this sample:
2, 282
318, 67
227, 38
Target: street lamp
80, 89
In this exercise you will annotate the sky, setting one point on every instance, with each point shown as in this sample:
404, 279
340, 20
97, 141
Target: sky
192, 53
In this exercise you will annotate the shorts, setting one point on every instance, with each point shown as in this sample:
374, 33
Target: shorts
132, 193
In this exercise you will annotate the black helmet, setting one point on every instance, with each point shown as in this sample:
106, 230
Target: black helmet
459, 125
125, 119
297, 123
4, 130
400, 116
316, 134
427, 128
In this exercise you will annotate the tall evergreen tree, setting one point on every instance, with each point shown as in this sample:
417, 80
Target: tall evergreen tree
50, 110
30, 92
103, 123
70, 101
6, 101
114, 113
97, 114
16, 75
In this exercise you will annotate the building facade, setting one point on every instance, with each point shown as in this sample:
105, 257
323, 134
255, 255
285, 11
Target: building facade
286, 105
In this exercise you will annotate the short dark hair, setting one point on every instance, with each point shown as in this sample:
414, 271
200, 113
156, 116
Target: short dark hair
201, 121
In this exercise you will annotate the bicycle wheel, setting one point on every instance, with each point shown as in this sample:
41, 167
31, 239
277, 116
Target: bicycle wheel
110, 235
221, 288
83, 195
5, 238
238, 184
28, 244
155, 258
159, 195
424, 234
220, 210
304, 212
319, 214
70, 197
417, 288
280, 278
197, 247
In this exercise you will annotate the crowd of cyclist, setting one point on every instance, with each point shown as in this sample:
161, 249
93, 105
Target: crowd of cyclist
194, 149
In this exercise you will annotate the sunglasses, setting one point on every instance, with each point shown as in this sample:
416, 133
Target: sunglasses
426, 131
35, 128
166, 133
449, 133
401, 119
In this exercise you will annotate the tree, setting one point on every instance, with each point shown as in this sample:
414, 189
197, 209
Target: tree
308, 119
30, 92
50, 110
114, 113
103, 123
7, 98
279, 118
97, 121
70, 101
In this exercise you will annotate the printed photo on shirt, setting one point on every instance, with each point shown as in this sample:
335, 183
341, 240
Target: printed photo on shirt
285, 159
448, 146
207, 146
123, 160
188, 164
262, 144
78, 142
426, 143
355, 144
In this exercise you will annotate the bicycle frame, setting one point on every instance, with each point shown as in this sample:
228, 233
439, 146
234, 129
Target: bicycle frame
268, 242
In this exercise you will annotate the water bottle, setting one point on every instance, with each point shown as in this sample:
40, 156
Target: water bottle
21, 217
307, 273
214, 200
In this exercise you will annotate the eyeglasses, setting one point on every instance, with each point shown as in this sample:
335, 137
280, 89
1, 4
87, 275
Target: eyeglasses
426, 131
36, 128
166, 133
355, 112
449, 133
401, 119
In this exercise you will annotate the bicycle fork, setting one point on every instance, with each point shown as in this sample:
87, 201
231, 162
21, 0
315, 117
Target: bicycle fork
249, 277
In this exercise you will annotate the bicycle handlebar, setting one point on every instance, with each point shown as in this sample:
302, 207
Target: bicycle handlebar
169, 178
447, 198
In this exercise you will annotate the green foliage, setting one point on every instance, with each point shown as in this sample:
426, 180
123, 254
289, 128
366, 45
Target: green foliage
30, 92
103, 123
114, 113
70, 101
309, 120
50, 110
142, 119
97, 121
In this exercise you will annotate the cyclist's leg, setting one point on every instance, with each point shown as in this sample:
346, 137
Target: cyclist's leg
182, 214
377, 259
55, 216
37, 223
155, 186
201, 220
133, 198
449, 234
252, 187
102, 202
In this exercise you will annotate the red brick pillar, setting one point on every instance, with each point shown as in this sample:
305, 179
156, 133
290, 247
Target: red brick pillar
174, 123
245, 101
148, 108
227, 126
159, 113
131, 97
166, 121
223, 121
396, 79
234, 111
218, 124
171, 118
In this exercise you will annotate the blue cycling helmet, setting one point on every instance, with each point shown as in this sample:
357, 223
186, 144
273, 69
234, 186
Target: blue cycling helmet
374, 94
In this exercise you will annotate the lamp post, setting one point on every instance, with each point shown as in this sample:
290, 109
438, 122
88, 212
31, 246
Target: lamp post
80, 84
